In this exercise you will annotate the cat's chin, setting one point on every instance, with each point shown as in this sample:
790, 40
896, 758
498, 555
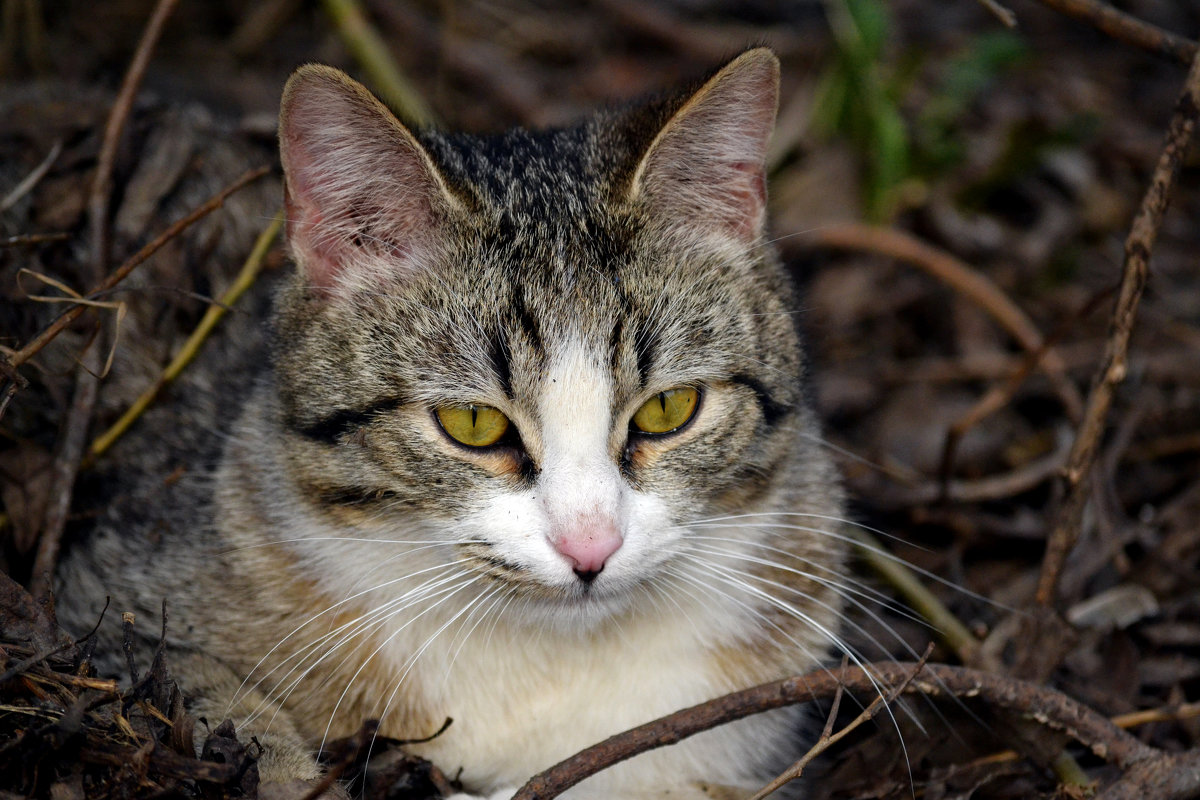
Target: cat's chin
573, 609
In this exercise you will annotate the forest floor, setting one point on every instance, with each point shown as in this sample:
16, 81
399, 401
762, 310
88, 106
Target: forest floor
953, 196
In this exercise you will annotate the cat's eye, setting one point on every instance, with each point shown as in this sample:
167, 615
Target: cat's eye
667, 411
472, 425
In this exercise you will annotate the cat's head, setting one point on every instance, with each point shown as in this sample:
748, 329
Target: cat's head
556, 350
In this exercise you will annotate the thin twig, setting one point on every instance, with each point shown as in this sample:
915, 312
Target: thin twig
1000, 396
1128, 29
1001, 13
1123, 721
369, 49
1051, 708
827, 740
87, 382
23, 239
972, 284
243, 281
47, 335
31, 180
98, 198
1134, 273
13, 382
945, 625
66, 466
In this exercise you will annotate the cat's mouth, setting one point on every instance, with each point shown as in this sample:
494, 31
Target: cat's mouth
589, 591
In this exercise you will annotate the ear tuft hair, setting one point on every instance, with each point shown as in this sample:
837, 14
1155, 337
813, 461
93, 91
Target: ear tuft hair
706, 168
363, 197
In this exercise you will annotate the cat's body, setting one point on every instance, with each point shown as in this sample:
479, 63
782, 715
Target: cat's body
642, 533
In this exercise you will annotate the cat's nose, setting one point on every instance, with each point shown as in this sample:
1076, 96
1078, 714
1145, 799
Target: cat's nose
587, 545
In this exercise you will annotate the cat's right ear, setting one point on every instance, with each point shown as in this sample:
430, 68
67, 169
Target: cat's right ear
705, 171
363, 198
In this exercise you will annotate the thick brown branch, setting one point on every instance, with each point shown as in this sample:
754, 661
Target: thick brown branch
1128, 29
1052, 708
1134, 274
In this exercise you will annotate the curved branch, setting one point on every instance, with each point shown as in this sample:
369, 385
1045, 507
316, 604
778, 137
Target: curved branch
1049, 707
1128, 29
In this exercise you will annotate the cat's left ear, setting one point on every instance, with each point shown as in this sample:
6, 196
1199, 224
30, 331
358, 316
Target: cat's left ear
706, 168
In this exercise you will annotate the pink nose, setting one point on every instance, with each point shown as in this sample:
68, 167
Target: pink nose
587, 544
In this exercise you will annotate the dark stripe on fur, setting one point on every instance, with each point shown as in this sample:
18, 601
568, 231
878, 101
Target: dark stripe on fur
332, 427
352, 495
501, 363
646, 343
614, 346
772, 410
529, 325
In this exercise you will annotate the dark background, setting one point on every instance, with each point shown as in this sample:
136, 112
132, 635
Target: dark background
1023, 152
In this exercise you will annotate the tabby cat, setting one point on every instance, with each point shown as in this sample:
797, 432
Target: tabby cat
529, 449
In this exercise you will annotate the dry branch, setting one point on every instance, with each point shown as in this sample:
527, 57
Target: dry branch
35, 345
947, 627
32, 179
829, 739
1000, 396
87, 381
1127, 28
369, 48
1134, 273
101, 191
1047, 706
191, 347
66, 466
962, 278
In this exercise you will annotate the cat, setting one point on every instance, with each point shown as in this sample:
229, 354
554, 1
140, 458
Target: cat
528, 448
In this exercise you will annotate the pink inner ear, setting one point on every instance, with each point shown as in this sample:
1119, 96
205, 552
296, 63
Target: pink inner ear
360, 191
318, 254
747, 194
706, 172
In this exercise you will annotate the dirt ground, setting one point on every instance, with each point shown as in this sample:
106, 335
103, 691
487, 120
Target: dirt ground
953, 196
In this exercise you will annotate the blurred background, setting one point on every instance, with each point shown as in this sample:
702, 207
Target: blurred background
1017, 154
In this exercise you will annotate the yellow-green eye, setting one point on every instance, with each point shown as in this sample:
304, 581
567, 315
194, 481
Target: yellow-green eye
667, 410
474, 426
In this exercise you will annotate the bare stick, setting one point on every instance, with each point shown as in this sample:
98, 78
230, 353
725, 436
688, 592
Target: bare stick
25, 239
1134, 274
1000, 396
973, 285
32, 179
87, 384
1052, 708
827, 739
191, 347
42, 339
1001, 13
1128, 29
66, 465
947, 627
368, 47
102, 186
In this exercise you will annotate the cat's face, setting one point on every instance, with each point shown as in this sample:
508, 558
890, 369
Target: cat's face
554, 360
